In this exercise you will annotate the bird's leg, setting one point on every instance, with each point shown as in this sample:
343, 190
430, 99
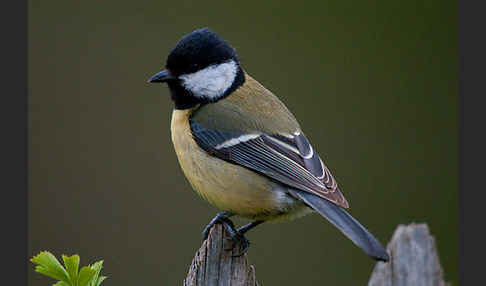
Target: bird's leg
221, 217
247, 227
239, 235
236, 235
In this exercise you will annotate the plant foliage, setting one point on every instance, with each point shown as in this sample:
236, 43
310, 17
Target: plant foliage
68, 275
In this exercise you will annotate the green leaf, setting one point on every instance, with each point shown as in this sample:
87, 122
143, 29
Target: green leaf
72, 265
100, 279
97, 267
86, 274
48, 265
61, 283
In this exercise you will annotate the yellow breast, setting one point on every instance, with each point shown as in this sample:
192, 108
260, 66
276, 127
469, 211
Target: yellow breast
227, 186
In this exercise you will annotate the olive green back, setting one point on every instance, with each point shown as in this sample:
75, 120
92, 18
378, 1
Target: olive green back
251, 108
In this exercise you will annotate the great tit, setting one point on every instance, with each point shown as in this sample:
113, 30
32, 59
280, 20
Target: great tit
242, 150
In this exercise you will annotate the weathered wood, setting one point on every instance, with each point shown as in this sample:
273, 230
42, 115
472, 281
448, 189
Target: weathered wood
213, 264
414, 260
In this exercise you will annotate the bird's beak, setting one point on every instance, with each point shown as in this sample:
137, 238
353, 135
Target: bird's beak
162, 76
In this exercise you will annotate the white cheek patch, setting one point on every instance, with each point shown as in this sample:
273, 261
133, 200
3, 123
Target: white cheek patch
212, 81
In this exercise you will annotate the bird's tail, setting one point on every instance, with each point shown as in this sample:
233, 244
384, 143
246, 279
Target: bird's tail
345, 223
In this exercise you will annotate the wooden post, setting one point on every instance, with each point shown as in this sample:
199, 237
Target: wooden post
414, 261
213, 265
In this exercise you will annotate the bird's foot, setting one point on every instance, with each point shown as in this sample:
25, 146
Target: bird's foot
219, 218
245, 243
235, 235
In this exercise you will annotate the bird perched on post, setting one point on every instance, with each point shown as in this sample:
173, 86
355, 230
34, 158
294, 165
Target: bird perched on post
242, 150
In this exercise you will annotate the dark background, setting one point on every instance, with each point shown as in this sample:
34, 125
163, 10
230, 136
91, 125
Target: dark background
373, 84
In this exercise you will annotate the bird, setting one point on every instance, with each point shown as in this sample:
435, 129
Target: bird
241, 148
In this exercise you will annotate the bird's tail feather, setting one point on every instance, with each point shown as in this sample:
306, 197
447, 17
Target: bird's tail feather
345, 223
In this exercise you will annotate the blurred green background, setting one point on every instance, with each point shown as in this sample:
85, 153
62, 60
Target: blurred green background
373, 83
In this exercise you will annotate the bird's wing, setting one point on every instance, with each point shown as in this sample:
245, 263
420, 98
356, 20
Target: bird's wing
286, 158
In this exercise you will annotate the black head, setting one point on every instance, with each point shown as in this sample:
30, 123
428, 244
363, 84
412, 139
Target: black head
201, 68
198, 50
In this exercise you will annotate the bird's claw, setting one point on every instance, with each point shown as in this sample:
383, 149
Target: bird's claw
235, 237
234, 234
206, 230
245, 243
222, 218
